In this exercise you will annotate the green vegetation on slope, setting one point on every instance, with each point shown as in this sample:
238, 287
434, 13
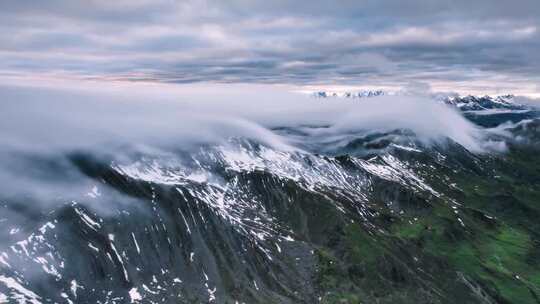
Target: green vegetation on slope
477, 244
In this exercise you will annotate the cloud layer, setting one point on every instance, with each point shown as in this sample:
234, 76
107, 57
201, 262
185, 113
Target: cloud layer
477, 46
41, 129
63, 119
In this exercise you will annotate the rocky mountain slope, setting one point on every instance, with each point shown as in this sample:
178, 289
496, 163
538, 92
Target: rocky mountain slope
381, 218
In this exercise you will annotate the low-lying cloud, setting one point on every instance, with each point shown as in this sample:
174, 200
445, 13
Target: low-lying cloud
67, 119
43, 125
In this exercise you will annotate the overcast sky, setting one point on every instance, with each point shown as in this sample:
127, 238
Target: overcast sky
477, 46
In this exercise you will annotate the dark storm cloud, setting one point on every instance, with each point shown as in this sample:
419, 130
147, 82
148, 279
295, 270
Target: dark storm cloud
491, 42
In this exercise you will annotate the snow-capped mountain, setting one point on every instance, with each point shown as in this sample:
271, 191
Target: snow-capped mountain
359, 94
477, 103
463, 103
358, 216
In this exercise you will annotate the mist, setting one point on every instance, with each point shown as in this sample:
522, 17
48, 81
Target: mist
45, 118
42, 124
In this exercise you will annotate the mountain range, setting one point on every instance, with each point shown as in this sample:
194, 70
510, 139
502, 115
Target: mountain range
374, 217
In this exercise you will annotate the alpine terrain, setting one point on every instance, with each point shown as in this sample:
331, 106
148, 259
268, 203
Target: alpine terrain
331, 214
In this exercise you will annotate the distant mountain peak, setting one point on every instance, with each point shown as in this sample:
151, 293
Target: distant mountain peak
463, 102
476, 103
357, 94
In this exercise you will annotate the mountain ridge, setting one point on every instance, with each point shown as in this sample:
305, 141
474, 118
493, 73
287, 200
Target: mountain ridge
463, 102
376, 216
